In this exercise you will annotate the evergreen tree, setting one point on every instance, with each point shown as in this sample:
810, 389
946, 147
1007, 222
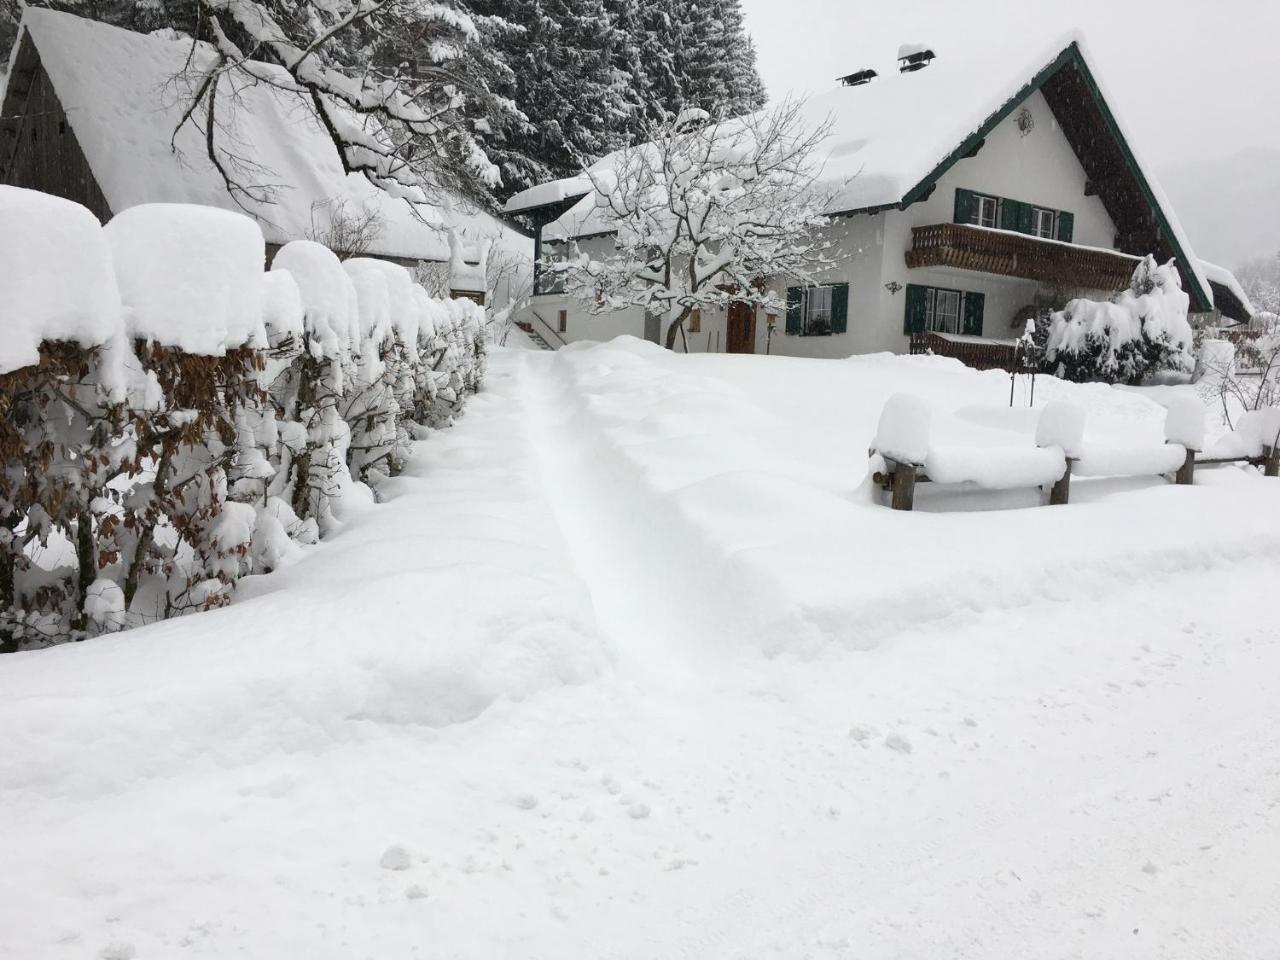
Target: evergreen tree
716, 60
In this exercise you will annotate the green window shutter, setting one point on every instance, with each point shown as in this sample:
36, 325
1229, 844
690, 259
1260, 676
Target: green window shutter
1011, 214
917, 310
1066, 226
795, 297
974, 306
964, 206
1026, 217
839, 307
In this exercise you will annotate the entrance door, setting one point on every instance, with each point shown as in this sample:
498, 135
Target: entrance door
740, 329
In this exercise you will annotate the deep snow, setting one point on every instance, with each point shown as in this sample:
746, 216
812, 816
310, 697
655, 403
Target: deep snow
628, 665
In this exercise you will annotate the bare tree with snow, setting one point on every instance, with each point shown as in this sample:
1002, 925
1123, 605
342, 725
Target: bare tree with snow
705, 213
396, 85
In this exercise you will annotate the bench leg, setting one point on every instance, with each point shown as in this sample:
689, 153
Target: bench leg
1271, 463
1186, 474
904, 486
1060, 492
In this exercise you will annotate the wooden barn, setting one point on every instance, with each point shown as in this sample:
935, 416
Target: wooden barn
95, 113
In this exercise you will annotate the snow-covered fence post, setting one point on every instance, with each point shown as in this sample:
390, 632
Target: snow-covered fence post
1184, 425
1062, 425
902, 438
1271, 442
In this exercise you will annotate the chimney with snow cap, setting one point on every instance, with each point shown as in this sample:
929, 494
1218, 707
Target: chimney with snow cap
857, 79
913, 57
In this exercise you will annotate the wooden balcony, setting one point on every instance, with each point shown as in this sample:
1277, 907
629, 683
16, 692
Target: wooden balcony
1008, 254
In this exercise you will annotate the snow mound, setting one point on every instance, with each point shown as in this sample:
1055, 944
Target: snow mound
402, 302
328, 297
373, 299
1062, 425
281, 305
903, 433
58, 280
1185, 422
190, 276
996, 468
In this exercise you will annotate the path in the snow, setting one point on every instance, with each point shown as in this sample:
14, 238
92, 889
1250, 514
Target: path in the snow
1092, 775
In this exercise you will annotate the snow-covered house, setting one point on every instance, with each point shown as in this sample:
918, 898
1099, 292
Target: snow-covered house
973, 190
94, 113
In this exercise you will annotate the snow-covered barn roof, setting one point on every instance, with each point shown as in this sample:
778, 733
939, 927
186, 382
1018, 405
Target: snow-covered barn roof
893, 138
124, 95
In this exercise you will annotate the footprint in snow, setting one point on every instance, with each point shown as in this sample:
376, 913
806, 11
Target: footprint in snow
395, 857
898, 743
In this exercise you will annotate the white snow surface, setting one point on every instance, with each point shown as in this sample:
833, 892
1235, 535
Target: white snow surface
631, 664
190, 276
125, 94
57, 281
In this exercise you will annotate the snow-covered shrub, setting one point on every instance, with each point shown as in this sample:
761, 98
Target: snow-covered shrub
190, 279
1140, 331
311, 464
172, 418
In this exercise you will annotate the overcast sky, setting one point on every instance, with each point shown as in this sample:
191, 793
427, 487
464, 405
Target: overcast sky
1197, 80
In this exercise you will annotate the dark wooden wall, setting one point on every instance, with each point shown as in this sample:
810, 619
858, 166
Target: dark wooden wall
38, 148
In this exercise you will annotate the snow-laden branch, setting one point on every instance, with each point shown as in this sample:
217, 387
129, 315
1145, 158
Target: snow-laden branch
707, 212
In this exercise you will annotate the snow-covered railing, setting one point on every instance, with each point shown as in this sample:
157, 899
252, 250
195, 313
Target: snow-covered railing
904, 453
1009, 254
174, 418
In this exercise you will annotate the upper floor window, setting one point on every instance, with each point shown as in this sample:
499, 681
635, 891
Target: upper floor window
1044, 223
986, 211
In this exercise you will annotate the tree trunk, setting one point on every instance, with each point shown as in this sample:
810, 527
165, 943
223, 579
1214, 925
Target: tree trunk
677, 326
159, 489
88, 566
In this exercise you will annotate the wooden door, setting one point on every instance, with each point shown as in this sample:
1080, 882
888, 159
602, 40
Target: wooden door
740, 329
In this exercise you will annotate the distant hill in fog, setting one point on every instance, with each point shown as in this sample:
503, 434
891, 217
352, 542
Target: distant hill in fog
1231, 209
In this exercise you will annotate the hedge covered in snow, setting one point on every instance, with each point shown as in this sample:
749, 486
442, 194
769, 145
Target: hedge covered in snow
172, 418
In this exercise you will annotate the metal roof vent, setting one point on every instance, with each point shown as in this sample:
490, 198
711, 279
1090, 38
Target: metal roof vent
858, 79
913, 57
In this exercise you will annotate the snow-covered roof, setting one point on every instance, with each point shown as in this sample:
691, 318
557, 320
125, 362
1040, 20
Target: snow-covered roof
1224, 278
889, 137
124, 94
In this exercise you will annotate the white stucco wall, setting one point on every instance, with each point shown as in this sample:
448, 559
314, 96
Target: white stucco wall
1040, 167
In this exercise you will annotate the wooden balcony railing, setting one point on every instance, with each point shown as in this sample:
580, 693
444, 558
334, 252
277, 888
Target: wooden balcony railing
981, 249
971, 351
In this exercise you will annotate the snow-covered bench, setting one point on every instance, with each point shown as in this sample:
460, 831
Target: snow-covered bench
903, 444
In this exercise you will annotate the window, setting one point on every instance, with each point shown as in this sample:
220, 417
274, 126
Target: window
816, 315
986, 211
695, 321
818, 311
939, 310
564, 320
1044, 223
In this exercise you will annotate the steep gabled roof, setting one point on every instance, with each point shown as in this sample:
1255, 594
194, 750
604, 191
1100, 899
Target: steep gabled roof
892, 139
124, 95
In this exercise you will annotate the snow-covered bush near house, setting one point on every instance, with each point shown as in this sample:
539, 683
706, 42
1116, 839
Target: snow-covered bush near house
174, 417
1141, 331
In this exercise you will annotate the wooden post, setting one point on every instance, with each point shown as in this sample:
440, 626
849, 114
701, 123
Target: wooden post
904, 486
1186, 474
1060, 492
1271, 463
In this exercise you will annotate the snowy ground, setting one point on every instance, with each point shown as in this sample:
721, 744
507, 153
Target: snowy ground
629, 666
